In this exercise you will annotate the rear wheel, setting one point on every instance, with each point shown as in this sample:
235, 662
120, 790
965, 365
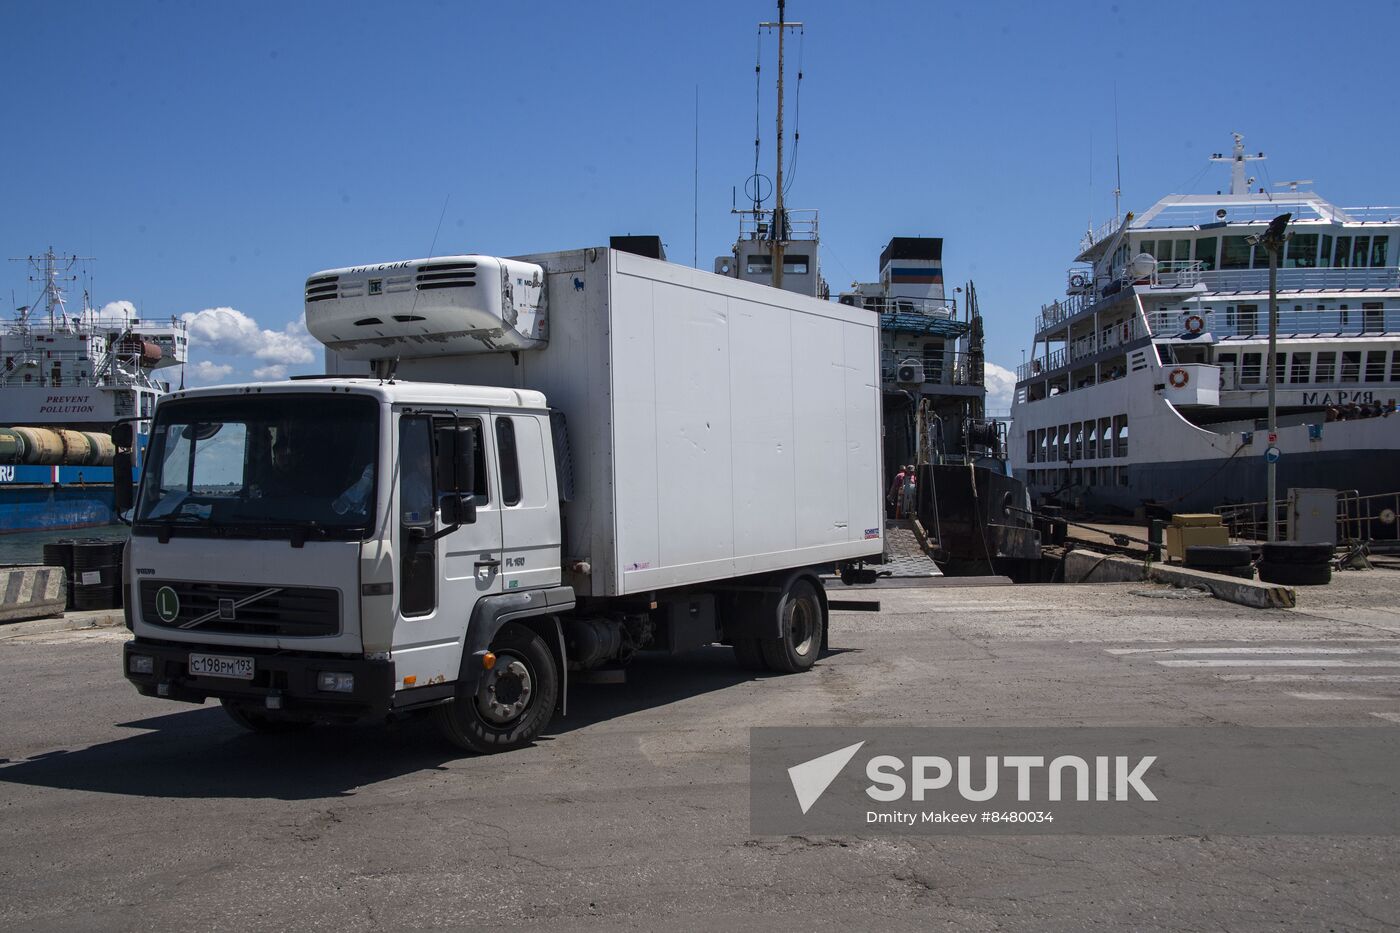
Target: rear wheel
254, 720
802, 625
513, 702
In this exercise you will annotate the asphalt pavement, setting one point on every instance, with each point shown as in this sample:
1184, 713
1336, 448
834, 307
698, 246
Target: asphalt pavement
120, 812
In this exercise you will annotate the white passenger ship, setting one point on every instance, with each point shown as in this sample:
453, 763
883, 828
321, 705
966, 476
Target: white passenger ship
1146, 384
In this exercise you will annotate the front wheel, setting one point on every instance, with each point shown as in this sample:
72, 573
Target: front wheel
802, 625
513, 702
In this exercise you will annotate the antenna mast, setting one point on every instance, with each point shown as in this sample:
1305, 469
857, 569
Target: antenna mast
50, 269
777, 233
1237, 159
1117, 158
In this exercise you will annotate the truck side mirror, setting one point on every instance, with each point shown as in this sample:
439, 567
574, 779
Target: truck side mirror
458, 509
122, 435
123, 494
456, 454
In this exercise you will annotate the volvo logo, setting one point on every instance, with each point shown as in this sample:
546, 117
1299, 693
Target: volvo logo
228, 612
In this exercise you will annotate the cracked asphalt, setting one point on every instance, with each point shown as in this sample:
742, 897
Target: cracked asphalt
120, 813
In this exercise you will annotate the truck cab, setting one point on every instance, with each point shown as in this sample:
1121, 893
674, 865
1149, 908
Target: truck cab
310, 550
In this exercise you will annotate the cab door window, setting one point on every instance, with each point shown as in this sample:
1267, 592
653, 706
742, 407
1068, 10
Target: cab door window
416, 516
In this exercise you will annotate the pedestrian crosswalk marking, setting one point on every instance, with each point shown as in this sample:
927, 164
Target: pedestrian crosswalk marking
1262, 649
1320, 677
1340, 696
1276, 662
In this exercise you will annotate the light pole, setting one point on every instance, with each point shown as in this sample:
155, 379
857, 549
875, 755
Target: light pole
1272, 240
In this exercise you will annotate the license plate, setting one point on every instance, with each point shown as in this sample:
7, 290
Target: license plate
218, 665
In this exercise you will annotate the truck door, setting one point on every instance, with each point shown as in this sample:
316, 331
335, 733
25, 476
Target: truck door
441, 579
530, 529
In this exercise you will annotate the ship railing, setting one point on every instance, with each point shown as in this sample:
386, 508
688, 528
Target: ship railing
1178, 274
1232, 322
1108, 338
952, 369
1102, 232
759, 224
1331, 278
1061, 310
1373, 519
944, 308
1379, 214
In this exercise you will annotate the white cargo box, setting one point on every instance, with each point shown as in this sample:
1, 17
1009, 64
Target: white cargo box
717, 428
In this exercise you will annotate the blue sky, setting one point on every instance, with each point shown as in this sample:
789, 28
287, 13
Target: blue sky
212, 155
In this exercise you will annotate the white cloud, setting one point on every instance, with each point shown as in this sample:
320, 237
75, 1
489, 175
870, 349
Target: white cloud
206, 372
227, 345
230, 332
118, 309
1001, 386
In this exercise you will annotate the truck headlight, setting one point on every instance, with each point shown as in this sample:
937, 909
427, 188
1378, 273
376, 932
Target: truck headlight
335, 682
140, 664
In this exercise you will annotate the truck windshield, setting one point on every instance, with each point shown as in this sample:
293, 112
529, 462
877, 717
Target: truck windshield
270, 466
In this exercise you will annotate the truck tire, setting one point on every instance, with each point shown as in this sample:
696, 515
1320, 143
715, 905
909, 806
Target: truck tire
802, 621
513, 702
1294, 552
1295, 574
252, 719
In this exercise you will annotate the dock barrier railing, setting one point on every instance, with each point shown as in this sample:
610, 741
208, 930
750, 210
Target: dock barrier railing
1373, 519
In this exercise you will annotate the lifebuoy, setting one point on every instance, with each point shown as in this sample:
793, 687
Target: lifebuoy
1077, 281
1195, 324
1179, 378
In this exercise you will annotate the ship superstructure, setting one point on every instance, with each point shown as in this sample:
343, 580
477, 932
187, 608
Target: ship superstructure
931, 363
70, 373
1146, 383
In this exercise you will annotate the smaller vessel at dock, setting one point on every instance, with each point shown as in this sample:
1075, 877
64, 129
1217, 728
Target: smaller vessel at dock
65, 379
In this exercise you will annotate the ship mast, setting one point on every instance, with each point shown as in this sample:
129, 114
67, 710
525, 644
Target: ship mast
777, 232
50, 269
1239, 184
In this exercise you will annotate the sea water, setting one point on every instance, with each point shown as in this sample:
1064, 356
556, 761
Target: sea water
27, 547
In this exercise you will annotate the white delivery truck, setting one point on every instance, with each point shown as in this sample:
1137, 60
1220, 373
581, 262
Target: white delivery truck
516, 471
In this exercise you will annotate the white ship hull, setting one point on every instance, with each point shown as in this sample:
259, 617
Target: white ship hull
1168, 461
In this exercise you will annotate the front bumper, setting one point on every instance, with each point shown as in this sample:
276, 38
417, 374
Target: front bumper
283, 682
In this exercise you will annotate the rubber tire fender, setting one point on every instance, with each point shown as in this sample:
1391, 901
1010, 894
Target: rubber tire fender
1295, 574
1216, 555
1296, 552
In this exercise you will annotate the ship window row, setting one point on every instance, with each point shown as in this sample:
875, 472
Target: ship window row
762, 264
1304, 251
1064, 478
1305, 367
1095, 439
